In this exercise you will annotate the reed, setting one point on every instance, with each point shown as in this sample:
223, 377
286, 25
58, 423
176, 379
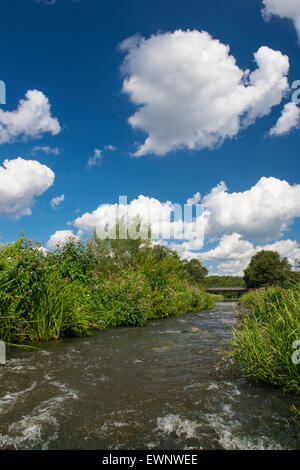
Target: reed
262, 343
84, 286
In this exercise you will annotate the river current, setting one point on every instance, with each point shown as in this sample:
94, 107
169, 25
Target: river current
164, 386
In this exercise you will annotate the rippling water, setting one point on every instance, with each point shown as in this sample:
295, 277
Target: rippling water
159, 387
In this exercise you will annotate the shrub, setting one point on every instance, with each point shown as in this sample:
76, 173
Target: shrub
36, 302
74, 261
218, 297
122, 300
21, 283
96, 284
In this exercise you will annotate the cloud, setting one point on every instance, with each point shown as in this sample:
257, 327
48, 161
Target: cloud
261, 213
112, 148
59, 238
190, 92
52, 2
246, 222
284, 9
20, 182
289, 119
142, 206
46, 2
43, 250
233, 253
167, 220
230, 247
46, 149
31, 119
56, 201
95, 159
286, 248
195, 199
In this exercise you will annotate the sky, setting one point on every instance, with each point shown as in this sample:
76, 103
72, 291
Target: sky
161, 103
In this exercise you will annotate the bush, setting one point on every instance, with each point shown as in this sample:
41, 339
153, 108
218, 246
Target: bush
82, 286
218, 297
74, 261
122, 300
37, 303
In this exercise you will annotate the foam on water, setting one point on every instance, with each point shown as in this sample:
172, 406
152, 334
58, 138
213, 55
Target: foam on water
228, 431
9, 399
175, 424
18, 365
140, 388
30, 428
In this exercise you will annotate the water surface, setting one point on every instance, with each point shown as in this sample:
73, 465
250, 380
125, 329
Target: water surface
164, 386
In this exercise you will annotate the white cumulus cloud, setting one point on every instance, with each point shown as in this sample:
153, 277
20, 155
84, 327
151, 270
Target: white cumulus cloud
167, 220
231, 247
289, 119
262, 212
190, 92
59, 238
195, 199
31, 119
233, 253
241, 222
284, 9
20, 182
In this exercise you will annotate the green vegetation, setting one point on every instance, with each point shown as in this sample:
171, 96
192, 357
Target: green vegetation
218, 297
269, 324
197, 272
262, 345
96, 284
225, 281
296, 414
267, 269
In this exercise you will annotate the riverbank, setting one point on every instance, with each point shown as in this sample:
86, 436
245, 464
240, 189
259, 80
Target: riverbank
97, 284
266, 344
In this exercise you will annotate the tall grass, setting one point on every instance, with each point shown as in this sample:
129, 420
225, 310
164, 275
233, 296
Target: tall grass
262, 344
83, 286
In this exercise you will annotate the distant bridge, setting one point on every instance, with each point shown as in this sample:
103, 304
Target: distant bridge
226, 290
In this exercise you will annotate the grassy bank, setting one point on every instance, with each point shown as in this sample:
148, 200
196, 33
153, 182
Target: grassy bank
96, 284
218, 297
262, 344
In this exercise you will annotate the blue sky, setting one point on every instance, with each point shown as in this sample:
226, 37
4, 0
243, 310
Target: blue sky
70, 52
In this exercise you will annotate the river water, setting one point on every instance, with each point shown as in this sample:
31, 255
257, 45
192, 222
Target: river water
164, 386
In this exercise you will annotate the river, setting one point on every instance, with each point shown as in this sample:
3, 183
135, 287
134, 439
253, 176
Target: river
164, 386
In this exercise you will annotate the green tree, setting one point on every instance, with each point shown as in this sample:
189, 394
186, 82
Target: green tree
266, 268
225, 281
196, 271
